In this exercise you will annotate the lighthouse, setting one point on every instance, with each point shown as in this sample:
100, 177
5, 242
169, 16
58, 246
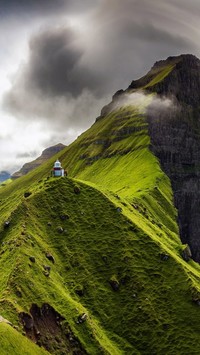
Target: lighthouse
57, 169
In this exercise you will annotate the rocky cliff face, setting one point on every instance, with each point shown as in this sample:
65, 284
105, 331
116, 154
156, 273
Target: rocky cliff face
175, 140
174, 128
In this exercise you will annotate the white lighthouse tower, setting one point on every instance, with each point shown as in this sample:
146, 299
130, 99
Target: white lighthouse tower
57, 169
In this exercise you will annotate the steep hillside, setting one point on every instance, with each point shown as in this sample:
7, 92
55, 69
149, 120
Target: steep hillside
69, 247
46, 154
12, 342
93, 263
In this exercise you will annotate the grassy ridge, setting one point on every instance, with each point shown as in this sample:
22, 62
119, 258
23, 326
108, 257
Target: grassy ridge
98, 245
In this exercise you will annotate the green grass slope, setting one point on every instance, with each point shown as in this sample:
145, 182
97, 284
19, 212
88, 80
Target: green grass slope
152, 306
111, 227
12, 342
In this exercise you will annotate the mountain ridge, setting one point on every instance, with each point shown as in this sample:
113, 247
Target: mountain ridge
101, 247
174, 133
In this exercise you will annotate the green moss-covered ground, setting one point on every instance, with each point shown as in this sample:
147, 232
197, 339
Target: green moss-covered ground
153, 306
111, 228
12, 342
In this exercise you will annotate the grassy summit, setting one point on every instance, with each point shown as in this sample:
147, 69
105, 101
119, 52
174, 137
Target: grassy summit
94, 259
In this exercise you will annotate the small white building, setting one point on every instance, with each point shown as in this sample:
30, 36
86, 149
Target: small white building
57, 169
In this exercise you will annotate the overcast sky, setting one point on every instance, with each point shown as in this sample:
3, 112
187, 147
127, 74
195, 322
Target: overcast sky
61, 61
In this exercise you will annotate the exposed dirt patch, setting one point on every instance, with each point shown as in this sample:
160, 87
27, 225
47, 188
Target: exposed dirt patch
48, 328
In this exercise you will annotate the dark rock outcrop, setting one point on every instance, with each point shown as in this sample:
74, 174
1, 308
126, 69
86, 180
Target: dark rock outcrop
6, 224
175, 133
114, 284
186, 253
82, 318
27, 194
60, 229
44, 326
32, 259
164, 257
77, 190
50, 257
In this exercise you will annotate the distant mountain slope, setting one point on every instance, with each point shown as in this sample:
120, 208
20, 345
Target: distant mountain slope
46, 154
93, 262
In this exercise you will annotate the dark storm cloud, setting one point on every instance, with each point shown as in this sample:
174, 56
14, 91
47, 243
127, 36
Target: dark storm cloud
118, 42
53, 56
55, 66
41, 7
30, 4
54, 86
54, 72
149, 32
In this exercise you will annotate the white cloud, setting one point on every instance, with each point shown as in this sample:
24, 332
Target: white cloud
59, 120
141, 101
